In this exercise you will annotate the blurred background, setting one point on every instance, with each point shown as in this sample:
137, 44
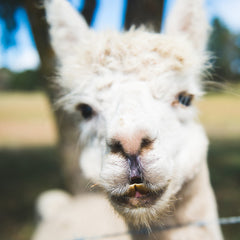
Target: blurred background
38, 144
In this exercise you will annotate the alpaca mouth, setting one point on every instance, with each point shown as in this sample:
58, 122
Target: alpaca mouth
137, 196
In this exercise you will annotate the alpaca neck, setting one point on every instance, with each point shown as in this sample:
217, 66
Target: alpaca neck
196, 199
196, 202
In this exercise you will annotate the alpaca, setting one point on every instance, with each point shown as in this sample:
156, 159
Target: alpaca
139, 137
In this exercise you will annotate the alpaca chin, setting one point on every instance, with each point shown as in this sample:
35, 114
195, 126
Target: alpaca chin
146, 217
142, 208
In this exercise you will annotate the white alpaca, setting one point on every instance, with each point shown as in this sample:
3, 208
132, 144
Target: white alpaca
139, 136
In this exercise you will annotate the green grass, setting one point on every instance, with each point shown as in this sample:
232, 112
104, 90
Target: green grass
24, 174
224, 163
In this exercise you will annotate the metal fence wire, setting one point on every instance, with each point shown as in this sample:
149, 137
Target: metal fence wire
221, 221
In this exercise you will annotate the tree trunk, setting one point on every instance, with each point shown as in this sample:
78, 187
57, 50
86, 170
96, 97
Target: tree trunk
68, 136
36, 16
144, 12
88, 10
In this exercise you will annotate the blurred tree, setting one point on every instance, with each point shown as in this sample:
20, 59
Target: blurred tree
223, 45
7, 11
24, 81
36, 16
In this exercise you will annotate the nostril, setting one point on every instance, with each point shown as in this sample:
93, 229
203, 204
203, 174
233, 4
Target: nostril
146, 143
115, 146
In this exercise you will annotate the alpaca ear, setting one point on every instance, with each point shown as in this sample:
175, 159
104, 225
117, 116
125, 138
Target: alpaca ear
67, 27
189, 18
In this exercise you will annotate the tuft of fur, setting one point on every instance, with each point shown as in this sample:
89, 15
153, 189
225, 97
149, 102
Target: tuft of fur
50, 202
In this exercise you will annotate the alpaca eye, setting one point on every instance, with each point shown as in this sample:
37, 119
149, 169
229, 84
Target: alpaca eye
86, 110
185, 98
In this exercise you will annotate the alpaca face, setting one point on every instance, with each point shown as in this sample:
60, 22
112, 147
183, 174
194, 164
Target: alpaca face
141, 147
133, 92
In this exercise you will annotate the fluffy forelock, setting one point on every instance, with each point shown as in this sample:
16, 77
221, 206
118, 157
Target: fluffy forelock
147, 55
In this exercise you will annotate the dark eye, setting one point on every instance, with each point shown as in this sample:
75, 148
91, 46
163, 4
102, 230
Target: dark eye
86, 110
185, 98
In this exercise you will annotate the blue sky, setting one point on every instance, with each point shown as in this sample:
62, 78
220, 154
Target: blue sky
108, 15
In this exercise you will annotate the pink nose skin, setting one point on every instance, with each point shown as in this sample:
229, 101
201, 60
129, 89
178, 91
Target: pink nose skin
132, 144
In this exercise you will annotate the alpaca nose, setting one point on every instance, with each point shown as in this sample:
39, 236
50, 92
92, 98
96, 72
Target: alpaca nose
130, 145
131, 148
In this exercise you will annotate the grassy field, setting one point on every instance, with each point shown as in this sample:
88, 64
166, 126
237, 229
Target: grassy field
29, 161
26, 120
220, 115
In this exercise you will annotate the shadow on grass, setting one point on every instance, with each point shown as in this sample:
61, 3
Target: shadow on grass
25, 173
224, 164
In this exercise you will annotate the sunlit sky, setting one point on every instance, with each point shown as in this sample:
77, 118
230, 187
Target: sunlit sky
108, 15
